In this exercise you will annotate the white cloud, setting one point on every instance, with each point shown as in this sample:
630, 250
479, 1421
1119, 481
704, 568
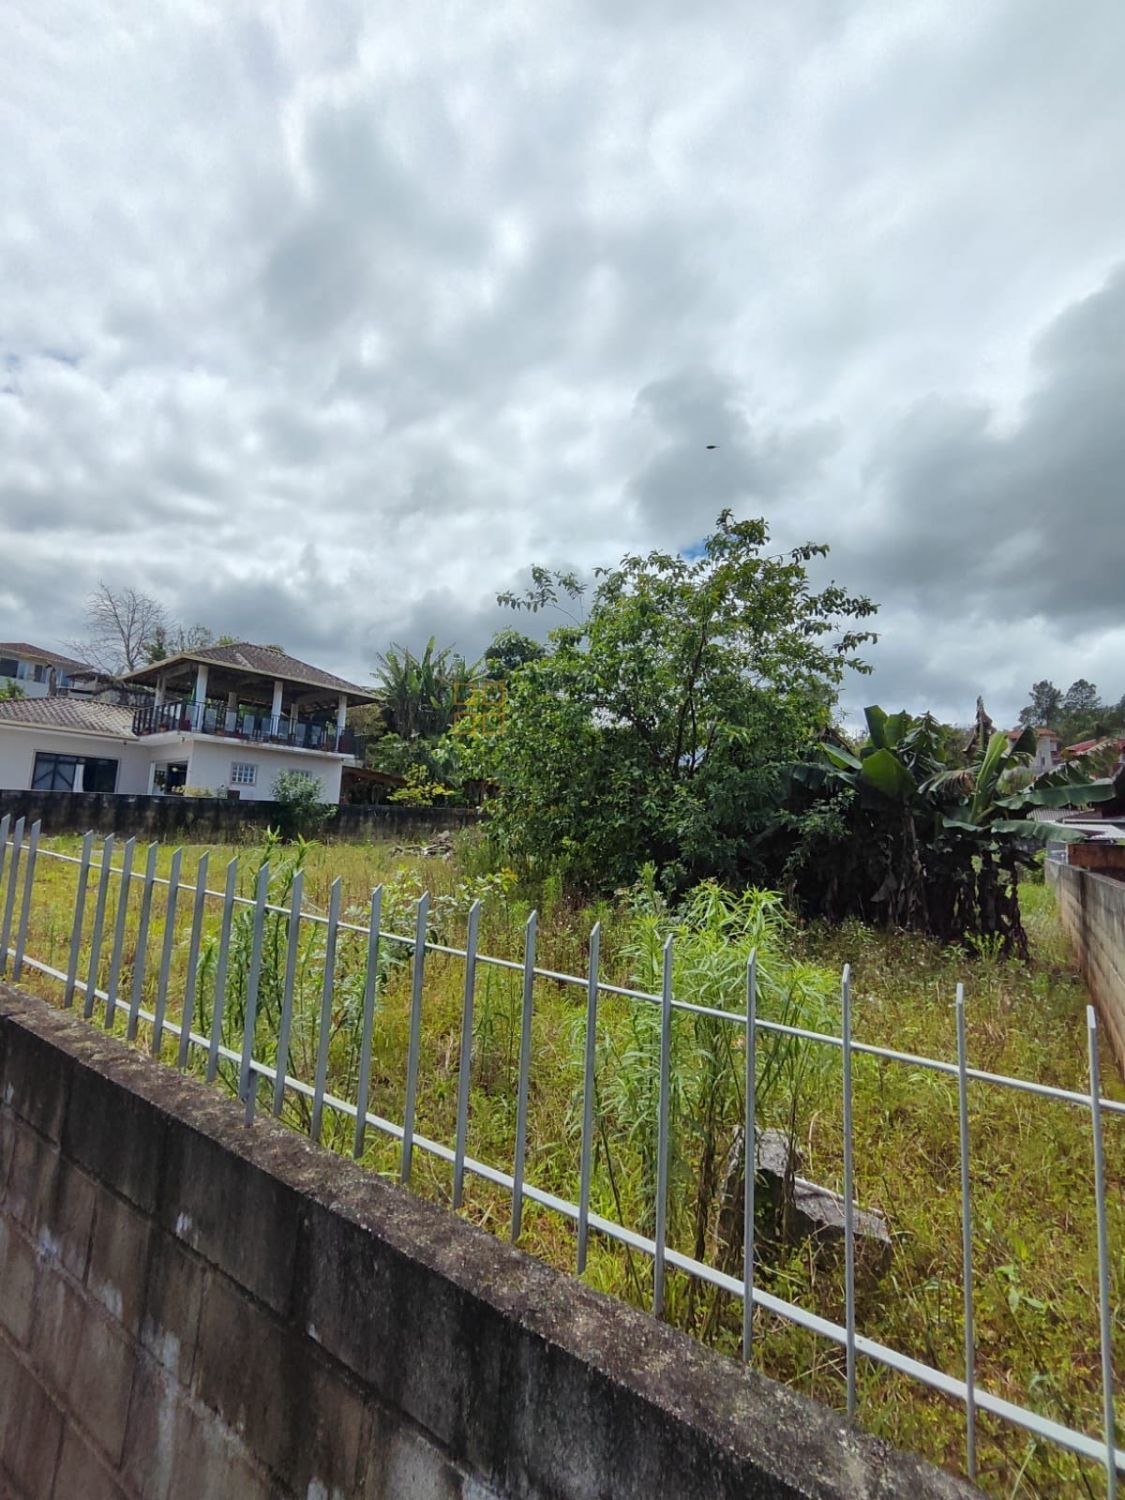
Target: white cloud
321, 323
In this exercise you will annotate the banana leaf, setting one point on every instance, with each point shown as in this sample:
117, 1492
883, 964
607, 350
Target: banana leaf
887, 775
843, 759
1076, 794
1039, 833
885, 729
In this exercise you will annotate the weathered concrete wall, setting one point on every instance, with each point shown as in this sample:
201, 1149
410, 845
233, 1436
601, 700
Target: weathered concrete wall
215, 819
1092, 909
193, 1307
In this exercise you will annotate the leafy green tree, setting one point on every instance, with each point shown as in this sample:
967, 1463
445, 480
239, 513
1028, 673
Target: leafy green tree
1043, 710
1078, 714
510, 650
10, 690
1081, 699
655, 728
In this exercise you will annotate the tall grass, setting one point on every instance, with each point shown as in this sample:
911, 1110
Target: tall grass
1034, 1257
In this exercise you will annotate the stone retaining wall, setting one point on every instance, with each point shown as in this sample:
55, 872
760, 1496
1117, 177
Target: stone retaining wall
190, 1306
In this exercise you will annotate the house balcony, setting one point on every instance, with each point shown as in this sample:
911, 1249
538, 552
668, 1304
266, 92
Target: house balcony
246, 725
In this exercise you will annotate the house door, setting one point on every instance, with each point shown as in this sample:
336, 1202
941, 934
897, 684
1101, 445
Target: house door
169, 776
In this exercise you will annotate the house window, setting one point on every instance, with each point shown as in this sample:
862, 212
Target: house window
59, 773
54, 773
99, 776
9, 667
243, 773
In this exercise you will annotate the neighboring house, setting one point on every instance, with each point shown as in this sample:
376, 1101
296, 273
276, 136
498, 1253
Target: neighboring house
1083, 747
227, 719
1048, 748
38, 673
69, 745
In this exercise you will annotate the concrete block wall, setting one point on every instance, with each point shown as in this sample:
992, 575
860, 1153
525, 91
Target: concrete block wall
1092, 910
218, 819
190, 1306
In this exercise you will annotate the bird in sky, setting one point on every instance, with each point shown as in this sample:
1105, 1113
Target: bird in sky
710, 446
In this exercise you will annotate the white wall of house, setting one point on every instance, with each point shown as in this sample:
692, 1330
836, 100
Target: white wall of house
18, 748
211, 764
1047, 753
27, 686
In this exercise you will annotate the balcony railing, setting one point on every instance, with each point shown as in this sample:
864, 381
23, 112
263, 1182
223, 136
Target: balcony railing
242, 724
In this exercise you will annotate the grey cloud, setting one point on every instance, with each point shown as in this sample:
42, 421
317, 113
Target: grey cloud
442, 300
1016, 521
685, 482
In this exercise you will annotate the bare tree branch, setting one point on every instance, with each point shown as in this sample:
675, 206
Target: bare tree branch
121, 625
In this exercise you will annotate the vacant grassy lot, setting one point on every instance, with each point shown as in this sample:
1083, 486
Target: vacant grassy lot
1032, 1165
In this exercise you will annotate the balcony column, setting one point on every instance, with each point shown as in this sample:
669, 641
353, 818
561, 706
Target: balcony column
341, 718
200, 695
232, 710
161, 683
275, 711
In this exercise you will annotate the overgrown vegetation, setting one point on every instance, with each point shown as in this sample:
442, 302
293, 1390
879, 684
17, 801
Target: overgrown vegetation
655, 728
1032, 1168
889, 832
301, 810
1077, 714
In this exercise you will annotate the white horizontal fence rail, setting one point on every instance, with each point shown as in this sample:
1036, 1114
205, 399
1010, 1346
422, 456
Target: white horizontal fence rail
20, 854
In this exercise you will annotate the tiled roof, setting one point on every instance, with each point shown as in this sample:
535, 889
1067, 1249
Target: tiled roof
69, 713
260, 659
1084, 745
25, 652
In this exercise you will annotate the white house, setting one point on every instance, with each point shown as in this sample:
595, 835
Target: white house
226, 719
36, 671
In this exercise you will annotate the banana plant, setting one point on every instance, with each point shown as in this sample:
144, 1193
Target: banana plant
934, 846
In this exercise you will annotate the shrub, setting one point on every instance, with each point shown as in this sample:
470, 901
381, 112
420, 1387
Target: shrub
300, 808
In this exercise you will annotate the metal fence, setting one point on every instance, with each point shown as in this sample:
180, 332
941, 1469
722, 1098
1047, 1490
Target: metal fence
20, 854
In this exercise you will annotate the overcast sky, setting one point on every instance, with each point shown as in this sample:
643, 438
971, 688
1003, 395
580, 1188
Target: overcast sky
321, 322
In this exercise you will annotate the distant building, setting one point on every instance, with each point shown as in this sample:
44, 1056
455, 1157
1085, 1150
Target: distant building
37, 672
1083, 747
228, 719
1048, 748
